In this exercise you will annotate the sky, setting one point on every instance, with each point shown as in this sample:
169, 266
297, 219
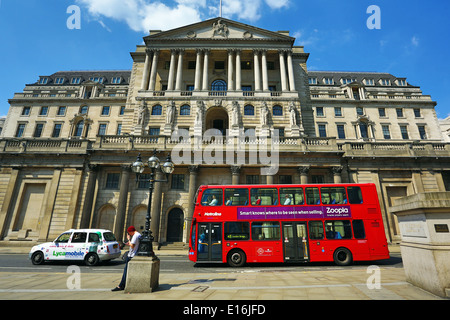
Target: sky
412, 38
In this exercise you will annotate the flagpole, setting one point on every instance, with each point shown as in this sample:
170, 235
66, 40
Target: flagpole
220, 9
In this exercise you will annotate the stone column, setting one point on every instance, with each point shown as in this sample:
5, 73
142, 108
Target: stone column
235, 174
170, 81
257, 70
119, 226
179, 71
304, 171
291, 71
146, 74
89, 198
193, 174
230, 70
198, 68
283, 71
238, 71
265, 77
337, 178
205, 71
154, 69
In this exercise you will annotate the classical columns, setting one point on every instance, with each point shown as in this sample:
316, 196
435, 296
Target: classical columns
283, 71
198, 70
146, 75
205, 70
290, 70
304, 172
235, 174
265, 76
154, 68
238, 71
230, 70
179, 70
257, 70
170, 81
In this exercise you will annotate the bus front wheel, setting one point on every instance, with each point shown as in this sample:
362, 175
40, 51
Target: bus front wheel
236, 258
342, 257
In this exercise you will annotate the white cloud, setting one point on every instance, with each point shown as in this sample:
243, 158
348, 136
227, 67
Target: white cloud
143, 15
415, 41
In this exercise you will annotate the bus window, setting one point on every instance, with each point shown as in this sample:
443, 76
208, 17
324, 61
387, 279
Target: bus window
355, 195
291, 196
264, 197
237, 231
212, 197
316, 230
358, 229
266, 231
334, 195
338, 229
236, 197
312, 196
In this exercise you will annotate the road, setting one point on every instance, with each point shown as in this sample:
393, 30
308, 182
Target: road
179, 264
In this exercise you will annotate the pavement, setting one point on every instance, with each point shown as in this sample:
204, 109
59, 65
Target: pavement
303, 282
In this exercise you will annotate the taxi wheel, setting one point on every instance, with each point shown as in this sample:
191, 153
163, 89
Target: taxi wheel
37, 258
91, 259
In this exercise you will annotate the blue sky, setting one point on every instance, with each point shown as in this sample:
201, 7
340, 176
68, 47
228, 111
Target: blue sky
413, 42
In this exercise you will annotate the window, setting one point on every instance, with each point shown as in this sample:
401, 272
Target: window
219, 85
385, 82
338, 229
94, 237
56, 130
26, 111
319, 112
84, 109
153, 131
79, 129
277, 110
20, 130
236, 197
364, 129
122, 111
43, 81
291, 196
359, 111
328, 81
401, 83
317, 179
422, 132
185, 110
97, 79
285, 179
386, 132
399, 112
76, 80
417, 113
64, 238
212, 197
369, 82
105, 111
404, 132
157, 110
264, 197
312, 196
269, 231
59, 81
246, 65
337, 111
79, 237
348, 80
341, 131
358, 229
354, 195
191, 65
270, 65
219, 65
252, 179
38, 130
43, 111
119, 129
177, 181
312, 80
112, 180
333, 195
249, 110
315, 230
102, 129
322, 130
144, 181
382, 112
237, 230
116, 80
61, 111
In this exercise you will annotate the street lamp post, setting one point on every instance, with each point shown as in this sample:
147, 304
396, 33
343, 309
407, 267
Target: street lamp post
138, 167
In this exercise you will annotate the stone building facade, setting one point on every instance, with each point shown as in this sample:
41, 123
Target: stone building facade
70, 138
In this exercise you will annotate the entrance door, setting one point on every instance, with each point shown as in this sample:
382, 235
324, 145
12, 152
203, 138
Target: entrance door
295, 240
209, 243
175, 225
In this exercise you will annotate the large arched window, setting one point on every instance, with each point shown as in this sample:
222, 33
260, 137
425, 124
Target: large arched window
185, 110
157, 110
219, 85
249, 110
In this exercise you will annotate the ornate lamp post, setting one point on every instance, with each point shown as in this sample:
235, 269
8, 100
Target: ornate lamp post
138, 167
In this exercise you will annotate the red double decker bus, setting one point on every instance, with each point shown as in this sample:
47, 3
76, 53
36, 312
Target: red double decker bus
287, 223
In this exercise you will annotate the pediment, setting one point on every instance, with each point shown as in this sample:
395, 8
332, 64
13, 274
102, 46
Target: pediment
219, 29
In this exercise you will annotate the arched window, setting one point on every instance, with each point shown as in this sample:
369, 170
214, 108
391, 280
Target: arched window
249, 110
157, 110
219, 85
84, 109
79, 129
185, 110
277, 110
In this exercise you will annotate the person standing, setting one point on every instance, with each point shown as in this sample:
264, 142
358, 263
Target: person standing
133, 241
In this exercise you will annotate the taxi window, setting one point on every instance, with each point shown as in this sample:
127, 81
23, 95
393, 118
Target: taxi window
79, 237
94, 237
109, 236
64, 238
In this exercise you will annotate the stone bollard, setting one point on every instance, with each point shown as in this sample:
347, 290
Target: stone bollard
142, 275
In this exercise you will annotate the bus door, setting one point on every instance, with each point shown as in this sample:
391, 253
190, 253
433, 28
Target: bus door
295, 239
209, 242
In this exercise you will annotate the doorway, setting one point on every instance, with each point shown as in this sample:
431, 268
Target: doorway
217, 118
295, 242
209, 242
175, 225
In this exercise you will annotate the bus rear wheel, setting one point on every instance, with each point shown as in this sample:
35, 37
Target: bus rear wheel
236, 258
342, 257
